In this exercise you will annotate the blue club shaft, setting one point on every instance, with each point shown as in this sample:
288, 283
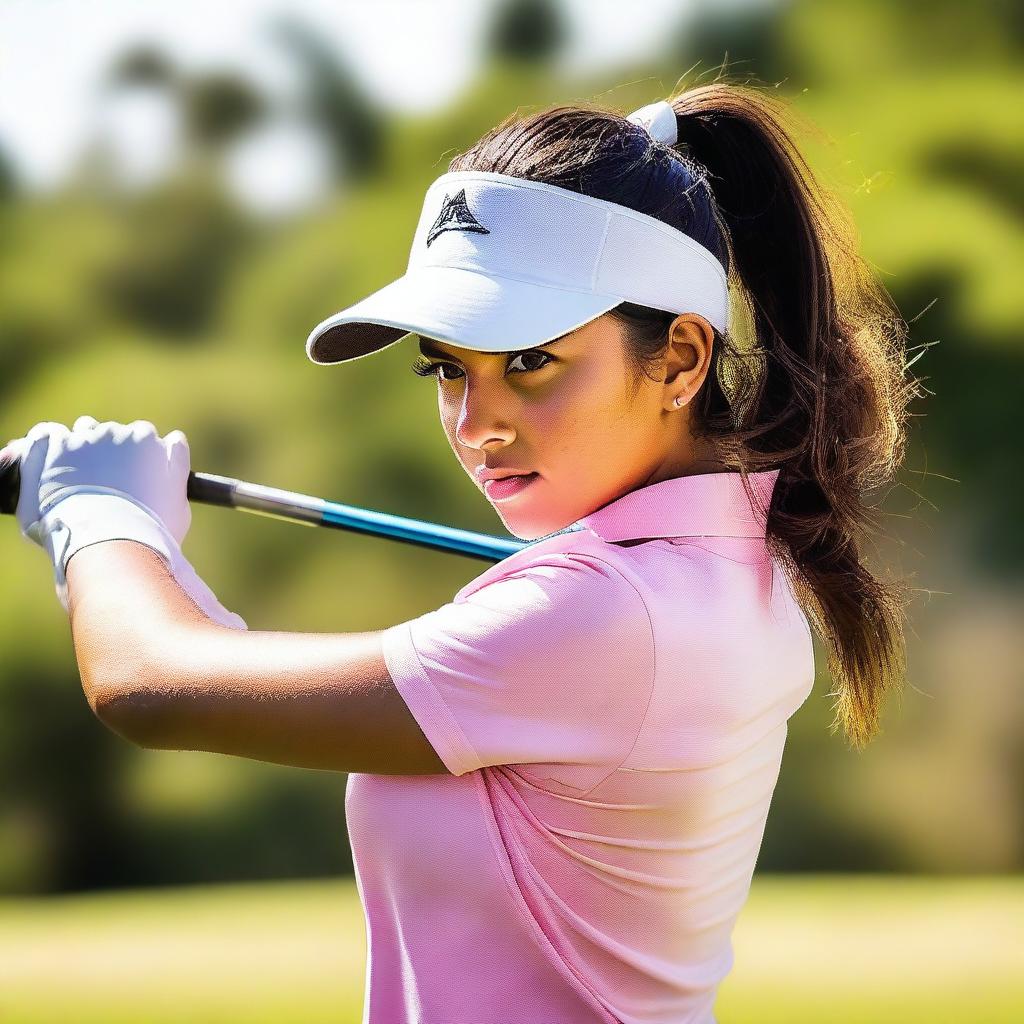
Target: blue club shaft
293, 507
310, 511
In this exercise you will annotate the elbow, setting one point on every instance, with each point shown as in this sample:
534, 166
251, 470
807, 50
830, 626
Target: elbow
116, 678
130, 711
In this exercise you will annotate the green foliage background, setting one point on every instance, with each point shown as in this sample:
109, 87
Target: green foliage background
177, 306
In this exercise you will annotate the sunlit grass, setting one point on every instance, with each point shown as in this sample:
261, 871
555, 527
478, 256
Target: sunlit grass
835, 948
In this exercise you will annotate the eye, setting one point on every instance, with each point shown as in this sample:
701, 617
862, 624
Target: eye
424, 368
532, 352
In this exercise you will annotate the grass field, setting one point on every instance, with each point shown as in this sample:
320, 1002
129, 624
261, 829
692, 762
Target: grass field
816, 949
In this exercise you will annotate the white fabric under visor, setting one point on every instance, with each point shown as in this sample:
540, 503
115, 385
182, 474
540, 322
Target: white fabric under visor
499, 263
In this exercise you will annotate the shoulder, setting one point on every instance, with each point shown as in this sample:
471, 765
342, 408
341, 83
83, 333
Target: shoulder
569, 575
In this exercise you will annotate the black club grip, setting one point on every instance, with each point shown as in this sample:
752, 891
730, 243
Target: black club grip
201, 487
10, 484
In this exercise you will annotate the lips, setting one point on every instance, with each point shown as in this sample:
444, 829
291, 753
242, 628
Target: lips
509, 486
501, 474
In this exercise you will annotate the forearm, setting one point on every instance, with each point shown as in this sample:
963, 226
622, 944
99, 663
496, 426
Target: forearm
126, 609
164, 676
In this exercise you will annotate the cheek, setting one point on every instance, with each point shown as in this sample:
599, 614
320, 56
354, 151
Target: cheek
583, 404
589, 400
583, 418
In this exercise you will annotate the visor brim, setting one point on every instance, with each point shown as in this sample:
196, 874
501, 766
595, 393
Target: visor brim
461, 307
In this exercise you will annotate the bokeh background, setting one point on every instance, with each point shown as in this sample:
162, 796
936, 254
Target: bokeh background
186, 190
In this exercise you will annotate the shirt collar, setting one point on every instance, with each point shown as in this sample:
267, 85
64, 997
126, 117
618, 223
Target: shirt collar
702, 505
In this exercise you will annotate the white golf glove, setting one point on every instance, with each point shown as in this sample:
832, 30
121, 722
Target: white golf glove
109, 481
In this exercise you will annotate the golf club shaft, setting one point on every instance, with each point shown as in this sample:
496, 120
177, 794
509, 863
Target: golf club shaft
292, 507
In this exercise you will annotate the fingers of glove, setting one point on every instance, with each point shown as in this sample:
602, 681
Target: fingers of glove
55, 461
143, 428
175, 468
34, 449
45, 429
97, 430
137, 429
14, 449
144, 469
179, 517
84, 423
113, 428
93, 464
172, 471
178, 465
178, 452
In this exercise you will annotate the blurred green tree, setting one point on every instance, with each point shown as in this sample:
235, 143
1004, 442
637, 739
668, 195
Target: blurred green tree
334, 102
530, 31
924, 141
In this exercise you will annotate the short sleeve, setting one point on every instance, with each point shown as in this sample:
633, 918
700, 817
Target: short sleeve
553, 662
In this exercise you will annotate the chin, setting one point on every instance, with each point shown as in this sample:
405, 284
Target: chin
528, 535
520, 530
530, 529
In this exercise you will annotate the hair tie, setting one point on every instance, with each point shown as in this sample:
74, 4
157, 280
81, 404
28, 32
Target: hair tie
658, 120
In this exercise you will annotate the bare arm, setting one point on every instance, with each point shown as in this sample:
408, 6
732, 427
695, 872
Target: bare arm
160, 673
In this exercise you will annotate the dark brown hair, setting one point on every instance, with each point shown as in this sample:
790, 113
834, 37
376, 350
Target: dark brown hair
817, 388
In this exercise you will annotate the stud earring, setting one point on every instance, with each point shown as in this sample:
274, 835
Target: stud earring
679, 401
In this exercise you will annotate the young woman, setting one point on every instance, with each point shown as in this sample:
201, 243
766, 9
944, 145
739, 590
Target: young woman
559, 780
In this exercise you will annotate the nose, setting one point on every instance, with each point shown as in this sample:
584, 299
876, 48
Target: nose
480, 420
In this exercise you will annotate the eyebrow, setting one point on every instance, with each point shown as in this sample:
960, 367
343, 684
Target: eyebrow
429, 348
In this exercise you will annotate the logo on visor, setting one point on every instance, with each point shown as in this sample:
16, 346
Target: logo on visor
455, 215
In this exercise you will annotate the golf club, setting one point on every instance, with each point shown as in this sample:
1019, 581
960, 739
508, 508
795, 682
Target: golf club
309, 511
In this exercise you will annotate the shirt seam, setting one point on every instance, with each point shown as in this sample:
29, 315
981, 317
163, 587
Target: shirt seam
491, 812
654, 666
437, 707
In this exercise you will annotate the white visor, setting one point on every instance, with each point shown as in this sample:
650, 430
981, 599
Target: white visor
499, 264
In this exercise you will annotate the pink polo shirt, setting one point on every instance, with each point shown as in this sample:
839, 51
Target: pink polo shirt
614, 718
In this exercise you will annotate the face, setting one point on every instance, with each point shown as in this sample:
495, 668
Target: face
567, 412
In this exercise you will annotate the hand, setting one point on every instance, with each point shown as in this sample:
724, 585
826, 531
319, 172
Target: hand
130, 460
109, 481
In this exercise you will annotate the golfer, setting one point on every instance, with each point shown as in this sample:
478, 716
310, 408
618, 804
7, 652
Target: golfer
660, 357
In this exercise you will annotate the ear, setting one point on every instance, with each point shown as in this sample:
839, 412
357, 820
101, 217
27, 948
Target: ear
690, 344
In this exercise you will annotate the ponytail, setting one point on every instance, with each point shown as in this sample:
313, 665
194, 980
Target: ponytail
830, 405
810, 381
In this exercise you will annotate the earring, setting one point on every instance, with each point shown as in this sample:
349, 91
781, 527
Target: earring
679, 401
